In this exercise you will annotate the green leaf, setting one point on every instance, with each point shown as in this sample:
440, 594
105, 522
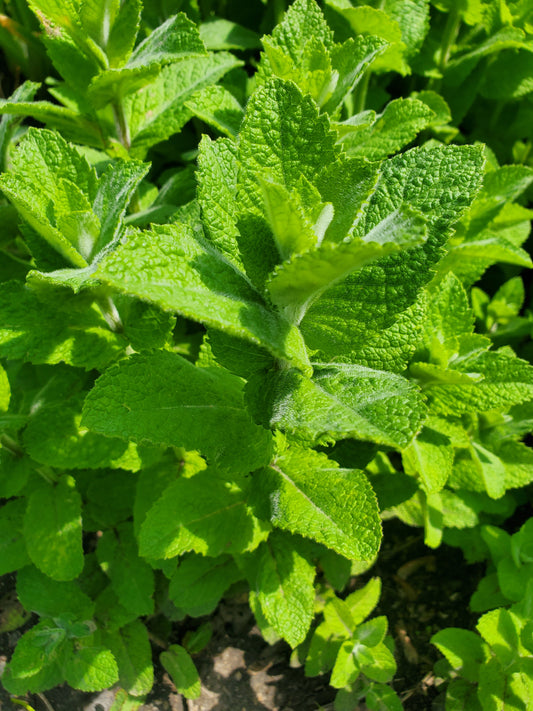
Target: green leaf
157, 114
440, 182
177, 38
302, 20
346, 668
36, 331
132, 579
13, 554
52, 598
35, 190
219, 33
344, 400
465, 650
501, 630
180, 271
54, 437
398, 125
382, 666
180, 666
123, 33
380, 697
115, 190
283, 580
217, 185
269, 145
430, 458
204, 514
91, 668
494, 380
52, 529
36, 649
179, 405
361, 602
131, 649
199, 583
296, 284
307, 494
217, 107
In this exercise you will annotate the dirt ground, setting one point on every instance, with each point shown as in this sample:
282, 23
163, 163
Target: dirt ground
423, 591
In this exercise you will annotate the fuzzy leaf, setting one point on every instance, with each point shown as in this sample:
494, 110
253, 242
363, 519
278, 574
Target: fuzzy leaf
204, 514
52, 529
283, 581
307, 494
344, 400
199, 582
179, 405
132, 579
36, 331
296, 284
180, 666
155, 114
181, 272
130, 647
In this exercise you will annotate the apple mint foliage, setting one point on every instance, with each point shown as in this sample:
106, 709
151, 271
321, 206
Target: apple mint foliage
255, 300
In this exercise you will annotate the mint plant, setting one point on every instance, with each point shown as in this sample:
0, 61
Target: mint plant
226, 364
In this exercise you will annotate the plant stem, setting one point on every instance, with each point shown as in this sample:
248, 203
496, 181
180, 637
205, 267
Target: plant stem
448, 38
12, 445
361, 92
110, 313
121, 125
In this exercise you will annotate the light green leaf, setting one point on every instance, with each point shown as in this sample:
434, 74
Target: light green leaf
156, 114
361, 602
381, 697
115, 189
497, 381
464, 649
217, 107
5, 390
345, 400
181, 272
295, 285
382, 666
8, 123
91, 668
303, 20
180, 666
130, 647
501, 630
33, 330
413, 18
441, 182
54, 437
123, 33
217, 184
284, 586
52, 529
394, 128
430, 458
177, 38
307, 494
179, 405
346, 668
199, 583
346, 184
132, 579
269, 145
204, 514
